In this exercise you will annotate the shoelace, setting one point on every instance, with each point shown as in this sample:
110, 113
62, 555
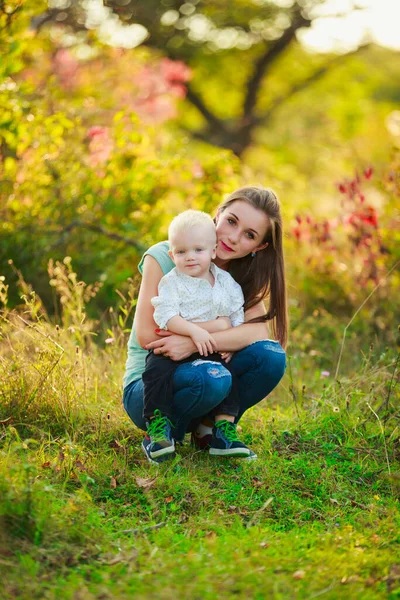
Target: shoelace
229, 430
157, 426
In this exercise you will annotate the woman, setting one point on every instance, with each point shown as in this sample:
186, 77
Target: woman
249, 232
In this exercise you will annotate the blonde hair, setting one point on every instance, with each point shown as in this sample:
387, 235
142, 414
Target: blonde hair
190, 219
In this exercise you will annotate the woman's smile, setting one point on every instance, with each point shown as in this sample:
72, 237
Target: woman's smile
226, 247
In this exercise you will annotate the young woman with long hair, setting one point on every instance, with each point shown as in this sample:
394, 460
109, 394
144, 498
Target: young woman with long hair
249, 233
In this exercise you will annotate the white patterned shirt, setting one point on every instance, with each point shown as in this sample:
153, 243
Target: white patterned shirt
195, 299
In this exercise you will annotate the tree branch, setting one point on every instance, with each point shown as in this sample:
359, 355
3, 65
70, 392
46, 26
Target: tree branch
303, 85
97, 229
100, 229
239, 138
212, 120
192, 96
266, 60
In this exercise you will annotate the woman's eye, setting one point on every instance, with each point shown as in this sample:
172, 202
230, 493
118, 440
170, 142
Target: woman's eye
231, 221
251, 235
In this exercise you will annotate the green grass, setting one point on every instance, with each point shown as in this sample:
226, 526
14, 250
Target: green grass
83, 515
316, 513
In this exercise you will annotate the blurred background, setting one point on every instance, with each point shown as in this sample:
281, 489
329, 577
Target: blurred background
116, 115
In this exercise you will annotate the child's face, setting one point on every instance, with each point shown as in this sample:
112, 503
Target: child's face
193, 251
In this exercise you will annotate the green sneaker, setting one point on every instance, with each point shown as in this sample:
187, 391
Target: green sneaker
159, 431
225, 441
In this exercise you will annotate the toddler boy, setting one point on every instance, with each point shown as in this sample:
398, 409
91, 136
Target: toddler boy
192, 299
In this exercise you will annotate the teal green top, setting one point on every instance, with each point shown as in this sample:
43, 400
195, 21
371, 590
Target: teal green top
136, 360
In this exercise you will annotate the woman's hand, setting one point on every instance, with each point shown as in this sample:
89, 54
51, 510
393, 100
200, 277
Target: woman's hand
176, 347
226, 356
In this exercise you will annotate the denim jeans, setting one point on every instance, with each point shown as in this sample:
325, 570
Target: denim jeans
201, 385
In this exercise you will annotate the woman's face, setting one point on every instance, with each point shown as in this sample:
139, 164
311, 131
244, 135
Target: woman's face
241, 229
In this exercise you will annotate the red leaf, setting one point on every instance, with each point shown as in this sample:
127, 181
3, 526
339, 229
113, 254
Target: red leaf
368, 173
296, 233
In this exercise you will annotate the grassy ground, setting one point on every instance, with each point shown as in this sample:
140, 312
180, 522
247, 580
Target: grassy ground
85, 516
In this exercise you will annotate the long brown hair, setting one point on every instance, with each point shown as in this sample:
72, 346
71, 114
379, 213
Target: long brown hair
263, 276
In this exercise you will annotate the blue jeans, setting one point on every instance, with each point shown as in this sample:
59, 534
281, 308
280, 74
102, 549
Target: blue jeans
201, 385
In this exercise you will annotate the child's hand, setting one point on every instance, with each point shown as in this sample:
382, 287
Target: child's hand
203, 341
223, 323
226, 356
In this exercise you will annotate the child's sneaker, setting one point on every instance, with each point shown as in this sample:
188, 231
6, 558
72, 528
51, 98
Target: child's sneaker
158, 441
225, 441
146, 444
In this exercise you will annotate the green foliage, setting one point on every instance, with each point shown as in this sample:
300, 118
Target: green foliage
83, 176
86, 185
81, 508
